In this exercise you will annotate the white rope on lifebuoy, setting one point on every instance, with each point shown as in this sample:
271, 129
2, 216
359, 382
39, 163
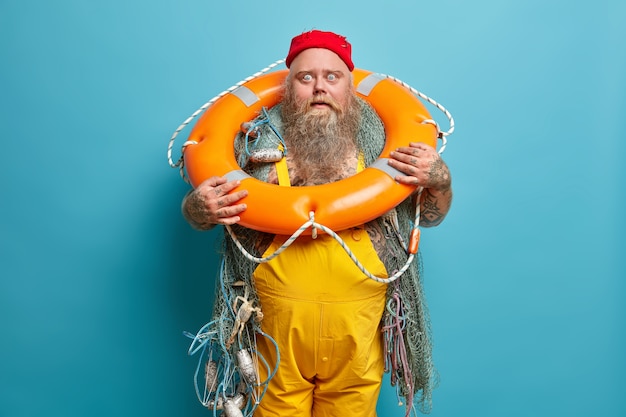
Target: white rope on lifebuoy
428, 99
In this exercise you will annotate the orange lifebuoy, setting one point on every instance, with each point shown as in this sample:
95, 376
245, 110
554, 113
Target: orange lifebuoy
339, 205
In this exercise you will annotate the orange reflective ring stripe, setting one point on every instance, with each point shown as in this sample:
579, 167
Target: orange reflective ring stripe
339, 205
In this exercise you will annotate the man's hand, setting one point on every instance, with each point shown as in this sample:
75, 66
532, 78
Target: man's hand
210, 203
423, 167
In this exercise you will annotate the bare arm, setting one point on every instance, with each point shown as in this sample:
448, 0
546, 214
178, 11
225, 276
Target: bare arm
423, 166
210, 204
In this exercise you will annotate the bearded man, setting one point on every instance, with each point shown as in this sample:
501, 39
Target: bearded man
322, 311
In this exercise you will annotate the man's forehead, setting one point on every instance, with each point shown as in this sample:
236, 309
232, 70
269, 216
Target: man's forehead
318, 59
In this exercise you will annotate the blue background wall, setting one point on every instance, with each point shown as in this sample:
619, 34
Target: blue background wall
100, 275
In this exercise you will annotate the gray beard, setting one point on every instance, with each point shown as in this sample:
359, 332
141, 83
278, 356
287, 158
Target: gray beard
320, 143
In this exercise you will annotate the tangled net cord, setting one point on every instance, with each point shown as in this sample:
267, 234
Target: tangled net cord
209, 342
311, 222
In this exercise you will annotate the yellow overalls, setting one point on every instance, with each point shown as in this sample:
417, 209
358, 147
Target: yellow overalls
324, 314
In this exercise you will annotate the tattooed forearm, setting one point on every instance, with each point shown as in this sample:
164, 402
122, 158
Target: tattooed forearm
434, 206
437, 197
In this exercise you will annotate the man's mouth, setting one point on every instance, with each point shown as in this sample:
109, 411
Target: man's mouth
321, 103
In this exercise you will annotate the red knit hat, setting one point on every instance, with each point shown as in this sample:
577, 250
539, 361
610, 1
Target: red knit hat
318, 39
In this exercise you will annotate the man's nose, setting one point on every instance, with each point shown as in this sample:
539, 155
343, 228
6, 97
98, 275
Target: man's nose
320, 86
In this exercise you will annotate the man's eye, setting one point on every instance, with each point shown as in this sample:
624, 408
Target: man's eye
332, 77
307, 77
